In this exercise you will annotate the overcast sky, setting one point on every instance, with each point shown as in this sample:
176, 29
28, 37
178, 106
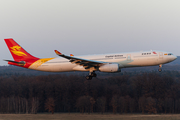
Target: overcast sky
85, 27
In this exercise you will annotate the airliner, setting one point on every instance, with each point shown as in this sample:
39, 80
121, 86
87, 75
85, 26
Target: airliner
103, 62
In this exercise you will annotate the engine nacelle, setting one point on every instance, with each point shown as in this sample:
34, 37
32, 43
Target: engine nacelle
110, 68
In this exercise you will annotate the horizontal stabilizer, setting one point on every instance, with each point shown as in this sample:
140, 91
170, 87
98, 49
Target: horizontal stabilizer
22, 63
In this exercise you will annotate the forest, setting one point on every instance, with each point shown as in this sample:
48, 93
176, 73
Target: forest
125, 92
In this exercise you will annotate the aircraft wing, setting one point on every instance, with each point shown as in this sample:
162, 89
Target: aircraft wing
82, 62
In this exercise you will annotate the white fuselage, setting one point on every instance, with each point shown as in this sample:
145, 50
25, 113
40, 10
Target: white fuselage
134, 59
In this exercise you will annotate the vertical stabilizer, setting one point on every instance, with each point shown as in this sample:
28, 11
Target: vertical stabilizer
18, 53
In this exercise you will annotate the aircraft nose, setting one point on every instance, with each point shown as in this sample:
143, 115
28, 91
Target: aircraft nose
175, 57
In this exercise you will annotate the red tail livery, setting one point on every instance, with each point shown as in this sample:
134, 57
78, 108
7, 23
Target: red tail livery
21, 57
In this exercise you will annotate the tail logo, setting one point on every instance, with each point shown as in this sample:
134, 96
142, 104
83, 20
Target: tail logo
17, 51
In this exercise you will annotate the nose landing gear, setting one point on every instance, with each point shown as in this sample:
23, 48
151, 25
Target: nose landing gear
91, 75
160, 68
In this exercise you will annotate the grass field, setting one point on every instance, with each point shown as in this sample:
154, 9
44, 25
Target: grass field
78, 116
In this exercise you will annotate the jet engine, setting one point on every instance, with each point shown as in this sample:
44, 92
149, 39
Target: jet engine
110, 68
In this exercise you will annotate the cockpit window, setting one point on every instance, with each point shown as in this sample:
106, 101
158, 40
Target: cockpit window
170, 54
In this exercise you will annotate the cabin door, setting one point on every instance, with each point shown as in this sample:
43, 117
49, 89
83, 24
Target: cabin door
160, 55
128, 57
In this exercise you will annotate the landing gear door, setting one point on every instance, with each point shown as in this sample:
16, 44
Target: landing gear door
160, 55
128, 57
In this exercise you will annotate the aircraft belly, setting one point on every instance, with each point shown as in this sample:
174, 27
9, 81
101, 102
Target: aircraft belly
145, 62
79, 68
56, 67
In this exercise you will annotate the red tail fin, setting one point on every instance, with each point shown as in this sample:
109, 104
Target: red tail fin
18, 53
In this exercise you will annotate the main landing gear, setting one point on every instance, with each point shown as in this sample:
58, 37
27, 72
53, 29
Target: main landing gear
160, 68
91, 75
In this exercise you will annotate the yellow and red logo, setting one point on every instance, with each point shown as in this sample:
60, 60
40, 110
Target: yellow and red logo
17, 51
39, 62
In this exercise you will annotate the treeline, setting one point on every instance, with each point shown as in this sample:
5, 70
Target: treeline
127, 93
6, 71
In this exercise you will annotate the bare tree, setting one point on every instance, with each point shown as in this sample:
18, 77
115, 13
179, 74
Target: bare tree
101, 104
66, 103
92, 101
114, 103
142, 104
160, 105
83, 103
27, 106
49, 105
151, 105
80, 104
170, 105
127, 99
131, 105
121, 104
34, 105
